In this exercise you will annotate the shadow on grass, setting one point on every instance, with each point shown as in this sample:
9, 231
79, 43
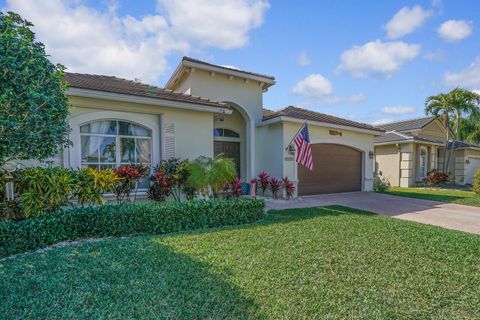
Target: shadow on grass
118, 279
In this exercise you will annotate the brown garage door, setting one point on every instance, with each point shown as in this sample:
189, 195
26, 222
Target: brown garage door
336, 168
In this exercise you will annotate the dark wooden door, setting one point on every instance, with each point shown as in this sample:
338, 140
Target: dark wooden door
230, 150
336, 168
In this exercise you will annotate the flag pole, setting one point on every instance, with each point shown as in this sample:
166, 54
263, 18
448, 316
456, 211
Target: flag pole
288, 145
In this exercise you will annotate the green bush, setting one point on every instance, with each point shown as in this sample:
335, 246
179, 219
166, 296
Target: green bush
381, 184
476, 182
125, 219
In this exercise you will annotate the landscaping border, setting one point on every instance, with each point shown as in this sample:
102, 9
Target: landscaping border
125, 219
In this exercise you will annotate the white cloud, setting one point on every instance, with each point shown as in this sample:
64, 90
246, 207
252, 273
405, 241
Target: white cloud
91, 40
218, 23
303, 59
397, 110
468, 78
476, 91
315, 85
319, 90
381, 121
455, 30
377, 58
405, 21
437, 55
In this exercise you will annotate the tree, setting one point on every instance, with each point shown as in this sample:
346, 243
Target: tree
440, 107
33, 106
210, 175
456, 108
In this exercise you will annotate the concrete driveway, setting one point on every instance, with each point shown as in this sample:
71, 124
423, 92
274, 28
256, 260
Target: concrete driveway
447, 215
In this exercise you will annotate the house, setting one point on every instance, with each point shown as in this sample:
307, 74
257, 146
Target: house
410, 149
208, 109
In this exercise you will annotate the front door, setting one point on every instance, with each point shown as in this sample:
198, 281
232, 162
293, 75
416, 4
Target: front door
230, 150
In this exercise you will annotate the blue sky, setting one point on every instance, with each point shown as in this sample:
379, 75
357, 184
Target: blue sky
371, 61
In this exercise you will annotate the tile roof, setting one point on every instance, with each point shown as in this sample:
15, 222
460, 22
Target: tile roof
393, 136
461, 144
407, 125
304, 114
227, 68
129, 87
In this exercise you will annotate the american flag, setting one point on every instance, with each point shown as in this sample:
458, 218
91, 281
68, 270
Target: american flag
304, 150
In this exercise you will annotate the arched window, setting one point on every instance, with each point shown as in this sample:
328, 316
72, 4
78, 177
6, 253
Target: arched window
222, 132
112, 143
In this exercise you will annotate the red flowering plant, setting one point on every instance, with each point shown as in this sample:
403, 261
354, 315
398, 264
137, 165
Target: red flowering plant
289, 187
275, 186
236, 188
129, 176
435, 177
161, 186
263, 181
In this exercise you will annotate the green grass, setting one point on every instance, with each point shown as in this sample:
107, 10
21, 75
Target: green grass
466, 197
326, 263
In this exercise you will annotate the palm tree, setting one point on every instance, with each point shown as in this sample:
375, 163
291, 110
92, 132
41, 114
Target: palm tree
440, 107
470, 129
210, 175
453, 108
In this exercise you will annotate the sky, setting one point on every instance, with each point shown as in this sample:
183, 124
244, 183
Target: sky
369, 61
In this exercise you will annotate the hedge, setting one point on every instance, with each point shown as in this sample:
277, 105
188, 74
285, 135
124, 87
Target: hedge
125, 219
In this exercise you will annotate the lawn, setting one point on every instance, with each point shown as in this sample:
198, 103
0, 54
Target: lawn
466, 197
328, 263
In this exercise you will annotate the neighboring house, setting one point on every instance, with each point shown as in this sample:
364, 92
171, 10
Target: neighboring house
410, 149
207, 109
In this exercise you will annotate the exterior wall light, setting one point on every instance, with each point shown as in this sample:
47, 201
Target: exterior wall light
467, 161
371, 154
291, 149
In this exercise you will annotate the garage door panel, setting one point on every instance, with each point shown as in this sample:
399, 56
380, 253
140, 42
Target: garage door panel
337, 168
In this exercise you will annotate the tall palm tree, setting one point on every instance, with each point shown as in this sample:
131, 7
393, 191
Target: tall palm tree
470, 129
439, 106
454, 108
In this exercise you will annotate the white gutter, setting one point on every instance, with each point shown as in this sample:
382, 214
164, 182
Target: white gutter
407, 141
319, 123
77, 92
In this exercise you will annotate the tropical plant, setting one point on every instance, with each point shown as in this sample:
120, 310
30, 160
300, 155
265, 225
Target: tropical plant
92, 184
161, 186
476, 182
236, 189
209, 175
179, 171
453, 108
33, 106
44, 189
275, 185
381, 184
263, 181
470, 129
129, 176
435, 177
289, 188
254, 185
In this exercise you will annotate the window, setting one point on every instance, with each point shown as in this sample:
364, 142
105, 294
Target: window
221, 132
112, 143
423, 163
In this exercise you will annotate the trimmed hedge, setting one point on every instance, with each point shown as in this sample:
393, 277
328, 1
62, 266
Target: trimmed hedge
125, 219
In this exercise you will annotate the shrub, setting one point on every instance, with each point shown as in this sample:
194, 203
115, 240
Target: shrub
125, 219
179, 172
289, 187
161, 186
236, 188
435, 177
44, 189
476, 182
92, 184
263, 181
275, 185
381, 184
210, 175
129, 176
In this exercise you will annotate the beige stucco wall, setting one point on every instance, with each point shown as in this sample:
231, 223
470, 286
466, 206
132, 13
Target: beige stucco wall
434, 131
193, 129
387, 163
269, 150
319, 134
